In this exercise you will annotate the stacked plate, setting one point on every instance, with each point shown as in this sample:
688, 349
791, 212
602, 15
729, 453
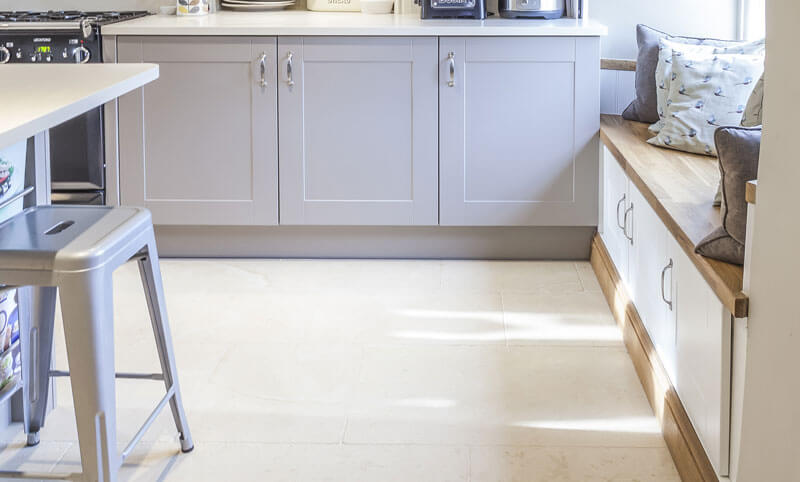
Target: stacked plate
257, 5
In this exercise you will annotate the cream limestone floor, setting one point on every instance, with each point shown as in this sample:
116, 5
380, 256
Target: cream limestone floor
325, 370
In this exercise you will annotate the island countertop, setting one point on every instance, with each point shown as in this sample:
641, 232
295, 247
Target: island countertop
305, 23
48, 95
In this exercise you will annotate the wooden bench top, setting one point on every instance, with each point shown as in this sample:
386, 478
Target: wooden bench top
680, 188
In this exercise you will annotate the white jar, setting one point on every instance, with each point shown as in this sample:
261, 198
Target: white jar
334, 5
192, 7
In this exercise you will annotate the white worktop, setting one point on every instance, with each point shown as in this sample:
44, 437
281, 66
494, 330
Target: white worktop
47, 95
301, 22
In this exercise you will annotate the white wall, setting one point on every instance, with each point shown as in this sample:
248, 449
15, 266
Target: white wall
697, 18
770, 446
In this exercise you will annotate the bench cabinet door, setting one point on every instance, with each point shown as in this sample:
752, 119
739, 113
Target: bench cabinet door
649, 273
519, 121
615, 200
358, 131
703, 379
199, 145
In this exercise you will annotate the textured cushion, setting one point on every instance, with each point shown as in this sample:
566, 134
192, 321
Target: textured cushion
707, 92
691, 47
738, 162
644, 106
753, 111
720, 245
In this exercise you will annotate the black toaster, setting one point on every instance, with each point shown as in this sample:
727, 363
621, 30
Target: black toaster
452, 9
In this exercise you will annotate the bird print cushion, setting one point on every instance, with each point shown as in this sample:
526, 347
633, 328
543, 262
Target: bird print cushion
706, 92
691, 47
754, 110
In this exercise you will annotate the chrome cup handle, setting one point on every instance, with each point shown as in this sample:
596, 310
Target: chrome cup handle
289, 74
451, 59
663, 276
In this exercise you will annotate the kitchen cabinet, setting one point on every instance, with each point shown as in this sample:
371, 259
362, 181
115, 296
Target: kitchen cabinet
358, 130
615, 203
518, 125
650, 276
199, 145
703, 359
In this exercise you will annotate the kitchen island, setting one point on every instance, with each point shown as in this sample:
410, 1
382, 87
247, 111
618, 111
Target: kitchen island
47, 96
350, 135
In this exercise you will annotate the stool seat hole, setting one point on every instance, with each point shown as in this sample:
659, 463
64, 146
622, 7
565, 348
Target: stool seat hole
58, 228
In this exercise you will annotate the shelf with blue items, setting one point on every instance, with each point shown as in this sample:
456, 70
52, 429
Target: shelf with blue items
10, 357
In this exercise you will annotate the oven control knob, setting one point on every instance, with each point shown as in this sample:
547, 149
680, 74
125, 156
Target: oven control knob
5, 55
81, 55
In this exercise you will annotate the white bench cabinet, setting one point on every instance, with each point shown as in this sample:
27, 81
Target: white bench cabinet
518, 123
358, 130
687, 323
199, 145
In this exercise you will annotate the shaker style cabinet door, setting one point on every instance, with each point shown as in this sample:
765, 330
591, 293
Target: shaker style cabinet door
519, 121
615, 201
199, 145
358, 130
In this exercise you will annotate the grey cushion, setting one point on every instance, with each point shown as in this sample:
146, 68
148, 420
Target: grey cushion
738, 149
644, 107
720, 245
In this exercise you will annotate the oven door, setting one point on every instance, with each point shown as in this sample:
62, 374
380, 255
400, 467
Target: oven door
77, 159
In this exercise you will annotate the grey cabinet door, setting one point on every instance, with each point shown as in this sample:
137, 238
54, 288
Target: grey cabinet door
519, 122
358, 130
199, 145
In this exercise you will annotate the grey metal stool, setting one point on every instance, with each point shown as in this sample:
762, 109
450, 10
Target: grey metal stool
75, 249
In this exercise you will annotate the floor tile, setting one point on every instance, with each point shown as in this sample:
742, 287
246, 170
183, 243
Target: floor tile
40, 459
510, 276
564, 464
587, 275
492, 395
567, 318
295, 463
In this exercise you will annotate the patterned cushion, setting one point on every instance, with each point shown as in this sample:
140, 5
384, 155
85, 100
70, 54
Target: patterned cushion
707, 92
690, 47
754, 110
644, 106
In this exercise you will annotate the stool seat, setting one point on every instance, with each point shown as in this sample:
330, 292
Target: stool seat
66, 238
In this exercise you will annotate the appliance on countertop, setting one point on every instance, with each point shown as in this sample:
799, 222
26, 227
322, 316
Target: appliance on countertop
548, 9
77, 151
452, 9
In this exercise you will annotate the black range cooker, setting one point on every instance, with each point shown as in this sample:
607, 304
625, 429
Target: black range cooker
77, 156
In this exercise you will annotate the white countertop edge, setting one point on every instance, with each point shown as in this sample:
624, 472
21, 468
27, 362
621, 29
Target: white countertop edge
306, 23
65, 111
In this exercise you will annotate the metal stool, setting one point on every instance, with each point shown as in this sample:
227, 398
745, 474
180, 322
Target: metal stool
75, 249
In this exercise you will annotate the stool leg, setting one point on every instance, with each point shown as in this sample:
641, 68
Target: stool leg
87, 309
36, 338
154, 292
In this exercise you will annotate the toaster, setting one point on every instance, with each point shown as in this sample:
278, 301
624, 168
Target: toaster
452, 8
549, 9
